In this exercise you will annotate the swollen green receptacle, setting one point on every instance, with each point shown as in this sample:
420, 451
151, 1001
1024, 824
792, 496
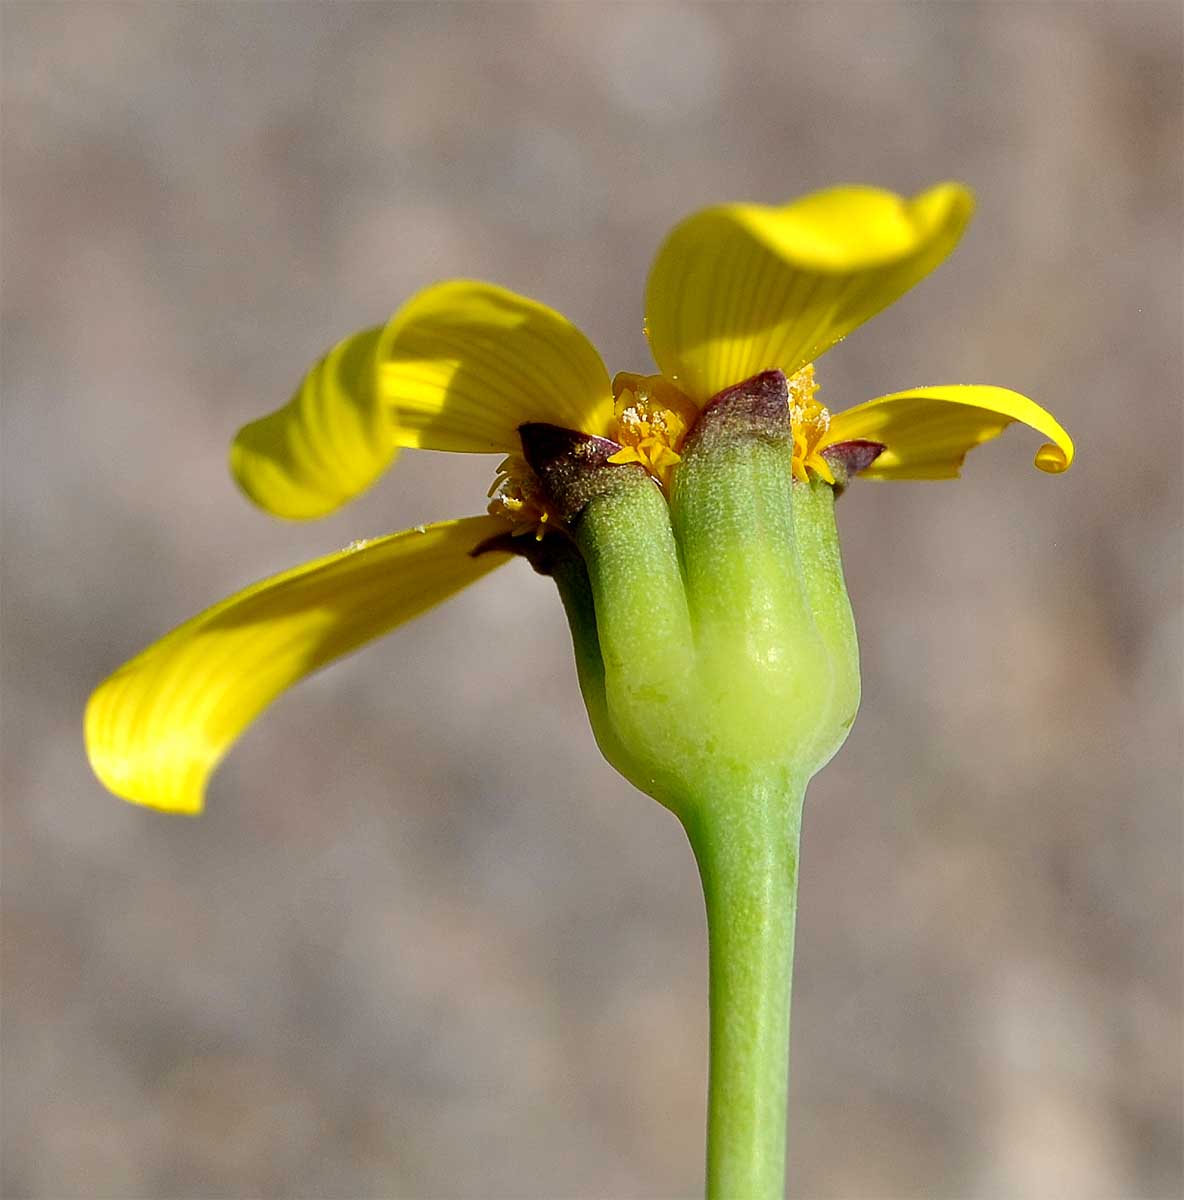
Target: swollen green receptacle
725, 635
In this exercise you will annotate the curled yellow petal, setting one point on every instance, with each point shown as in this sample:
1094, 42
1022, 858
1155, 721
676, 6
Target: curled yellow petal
742, 288
928, 431
464, 364
328, 443
157, 728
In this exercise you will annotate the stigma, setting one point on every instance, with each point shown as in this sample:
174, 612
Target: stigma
810, 421
517, 495
652, 420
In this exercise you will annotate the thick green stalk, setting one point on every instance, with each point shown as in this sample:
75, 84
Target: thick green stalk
747, 851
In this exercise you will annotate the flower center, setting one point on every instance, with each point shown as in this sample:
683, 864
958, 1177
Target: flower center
810, 421
653, 417
517, 495
652, 421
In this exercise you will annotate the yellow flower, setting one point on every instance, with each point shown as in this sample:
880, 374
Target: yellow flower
735, 291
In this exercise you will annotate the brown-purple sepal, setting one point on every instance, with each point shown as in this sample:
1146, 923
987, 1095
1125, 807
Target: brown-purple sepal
849, 458
544, 554
757, 407
573, 467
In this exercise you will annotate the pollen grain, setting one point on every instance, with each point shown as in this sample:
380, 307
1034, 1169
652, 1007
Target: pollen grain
652, 419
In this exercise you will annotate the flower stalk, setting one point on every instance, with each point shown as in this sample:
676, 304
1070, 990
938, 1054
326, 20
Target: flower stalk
746, 846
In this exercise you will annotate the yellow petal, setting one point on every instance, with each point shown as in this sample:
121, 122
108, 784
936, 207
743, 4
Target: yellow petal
156, 729
742, 288
328, 443
465, 364
927, 431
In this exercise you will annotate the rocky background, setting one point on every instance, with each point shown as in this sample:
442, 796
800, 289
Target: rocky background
425, 943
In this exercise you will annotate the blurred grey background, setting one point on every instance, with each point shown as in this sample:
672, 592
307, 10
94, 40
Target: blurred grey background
425, 943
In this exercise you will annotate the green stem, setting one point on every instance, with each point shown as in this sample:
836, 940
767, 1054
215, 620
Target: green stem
747, 851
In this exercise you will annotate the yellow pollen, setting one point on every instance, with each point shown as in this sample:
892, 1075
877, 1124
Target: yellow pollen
810, 421
653, 417
517, 495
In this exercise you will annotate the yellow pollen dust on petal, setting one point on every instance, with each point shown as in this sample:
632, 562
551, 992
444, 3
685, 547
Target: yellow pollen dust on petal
652, 419
810, 421
517, 495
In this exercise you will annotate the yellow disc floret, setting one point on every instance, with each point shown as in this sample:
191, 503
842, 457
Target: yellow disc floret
810, 421
653, 417
517, 495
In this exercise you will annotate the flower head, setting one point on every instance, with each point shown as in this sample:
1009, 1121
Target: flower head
738, 294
